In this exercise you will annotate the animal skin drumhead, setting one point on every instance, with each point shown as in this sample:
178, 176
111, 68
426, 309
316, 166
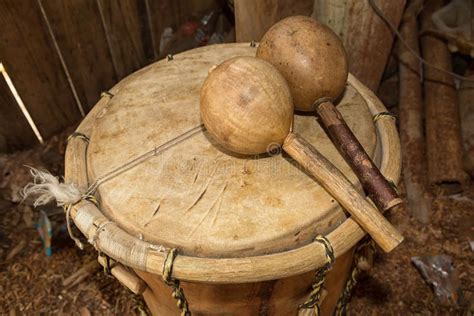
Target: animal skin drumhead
196, 196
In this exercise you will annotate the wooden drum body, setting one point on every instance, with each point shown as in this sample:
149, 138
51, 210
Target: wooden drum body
244, 226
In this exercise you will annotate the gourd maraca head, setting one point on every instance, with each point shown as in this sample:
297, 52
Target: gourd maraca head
246, 105
310, 56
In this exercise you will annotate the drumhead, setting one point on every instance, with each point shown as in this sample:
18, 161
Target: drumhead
196, 196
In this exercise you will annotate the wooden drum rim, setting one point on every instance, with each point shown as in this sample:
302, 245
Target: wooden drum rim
226, 270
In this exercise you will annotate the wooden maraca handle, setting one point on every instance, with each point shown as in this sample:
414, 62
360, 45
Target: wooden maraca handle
373, 222
374, 183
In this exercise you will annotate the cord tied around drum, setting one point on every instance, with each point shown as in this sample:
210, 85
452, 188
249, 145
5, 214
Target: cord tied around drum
341, 307
384, 114
178, 292
314, 299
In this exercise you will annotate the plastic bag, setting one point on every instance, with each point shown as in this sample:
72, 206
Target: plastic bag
439, 272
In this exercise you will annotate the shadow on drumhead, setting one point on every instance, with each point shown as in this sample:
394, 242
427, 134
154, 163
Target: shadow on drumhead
237, 155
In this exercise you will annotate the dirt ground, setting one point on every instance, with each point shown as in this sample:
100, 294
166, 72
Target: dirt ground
32, 283
394, 287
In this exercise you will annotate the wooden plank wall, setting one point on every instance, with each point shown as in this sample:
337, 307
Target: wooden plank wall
79, 33
172, 14
30, 58
122, 20
61, 55
367, 38
254, 18
15, 133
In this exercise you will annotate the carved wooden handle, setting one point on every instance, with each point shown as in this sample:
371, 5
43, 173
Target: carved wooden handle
373, 222
374, 183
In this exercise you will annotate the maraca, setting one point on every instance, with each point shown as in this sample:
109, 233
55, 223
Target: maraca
246, 105
313, 61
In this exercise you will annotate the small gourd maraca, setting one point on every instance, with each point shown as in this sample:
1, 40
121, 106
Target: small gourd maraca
246, 106
313, 61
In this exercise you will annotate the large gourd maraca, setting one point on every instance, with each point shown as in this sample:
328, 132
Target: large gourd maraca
313, 61
247, 107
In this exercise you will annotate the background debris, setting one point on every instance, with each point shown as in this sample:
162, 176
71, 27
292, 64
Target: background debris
439, 272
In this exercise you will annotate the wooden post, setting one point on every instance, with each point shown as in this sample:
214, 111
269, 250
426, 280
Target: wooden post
443, 133
367, 38
122, 28
466, 108
254, 18
411, 117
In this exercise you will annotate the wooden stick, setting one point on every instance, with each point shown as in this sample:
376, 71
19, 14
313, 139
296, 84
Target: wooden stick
80, 275
443, 133
16, 250
125, 276
378, 227
375, 185
411, 119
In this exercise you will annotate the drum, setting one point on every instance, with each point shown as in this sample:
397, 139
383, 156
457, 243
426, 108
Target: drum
184, 222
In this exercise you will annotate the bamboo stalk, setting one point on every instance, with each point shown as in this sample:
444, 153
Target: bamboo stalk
411, 119
443, 133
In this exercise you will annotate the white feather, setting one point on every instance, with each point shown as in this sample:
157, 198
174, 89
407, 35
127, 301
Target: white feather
47, 188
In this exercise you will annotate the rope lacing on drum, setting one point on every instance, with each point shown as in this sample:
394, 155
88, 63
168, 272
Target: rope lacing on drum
143, 157
314, 299
178, 292
89, 194
77, 241
107, 266
68, 208
80, 136
384, 114
95, 236
106, 94
341, 307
